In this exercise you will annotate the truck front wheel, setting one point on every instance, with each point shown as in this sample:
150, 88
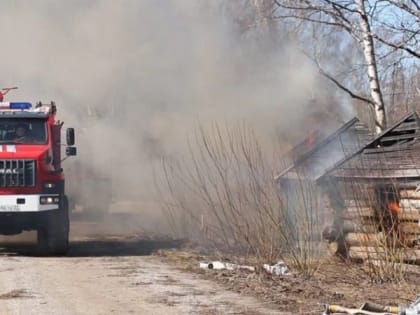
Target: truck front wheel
53, 235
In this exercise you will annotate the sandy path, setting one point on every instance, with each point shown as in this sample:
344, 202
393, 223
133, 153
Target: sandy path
109, 276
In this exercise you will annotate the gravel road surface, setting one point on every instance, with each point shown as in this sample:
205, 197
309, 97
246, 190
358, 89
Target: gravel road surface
108, 274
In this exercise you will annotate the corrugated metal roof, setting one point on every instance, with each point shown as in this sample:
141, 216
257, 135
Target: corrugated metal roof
314, 163
395, 153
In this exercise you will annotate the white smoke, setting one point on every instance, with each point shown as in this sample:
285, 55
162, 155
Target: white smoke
134, 76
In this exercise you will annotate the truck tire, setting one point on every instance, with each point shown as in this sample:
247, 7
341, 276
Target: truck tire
53, 236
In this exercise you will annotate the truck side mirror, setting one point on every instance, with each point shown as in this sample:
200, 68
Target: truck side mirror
71, 151
70, 136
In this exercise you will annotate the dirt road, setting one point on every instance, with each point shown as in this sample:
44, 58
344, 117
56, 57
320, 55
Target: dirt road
108, 275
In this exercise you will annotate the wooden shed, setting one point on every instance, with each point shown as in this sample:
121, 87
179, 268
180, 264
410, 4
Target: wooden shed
374, 194
307, 163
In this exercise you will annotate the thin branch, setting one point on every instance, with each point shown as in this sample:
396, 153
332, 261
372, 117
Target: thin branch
337, 83
416, 4
407, 8
397, 46
345, 89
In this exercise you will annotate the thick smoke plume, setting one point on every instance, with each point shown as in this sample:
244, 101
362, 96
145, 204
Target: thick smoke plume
135, 76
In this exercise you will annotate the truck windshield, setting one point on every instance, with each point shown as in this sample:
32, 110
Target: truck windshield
20, 130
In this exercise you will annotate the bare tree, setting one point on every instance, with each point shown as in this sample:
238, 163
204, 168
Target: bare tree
383, 30
372, 70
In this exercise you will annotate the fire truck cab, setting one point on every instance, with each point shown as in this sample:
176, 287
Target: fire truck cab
32, 194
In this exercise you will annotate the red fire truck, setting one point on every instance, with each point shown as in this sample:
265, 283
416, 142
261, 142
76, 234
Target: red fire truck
32, 195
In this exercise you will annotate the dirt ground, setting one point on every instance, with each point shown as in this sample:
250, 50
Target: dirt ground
115, 267
335, 283
111, 268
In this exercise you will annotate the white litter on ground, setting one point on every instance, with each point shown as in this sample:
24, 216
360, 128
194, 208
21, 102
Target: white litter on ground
280, 268
218, 265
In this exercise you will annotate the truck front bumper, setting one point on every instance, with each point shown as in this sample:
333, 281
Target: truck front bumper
29, 203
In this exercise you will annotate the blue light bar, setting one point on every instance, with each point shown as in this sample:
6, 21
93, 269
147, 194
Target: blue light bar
20, 105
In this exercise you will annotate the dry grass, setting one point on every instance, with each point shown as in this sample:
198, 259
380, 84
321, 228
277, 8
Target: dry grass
223, 196
336, 282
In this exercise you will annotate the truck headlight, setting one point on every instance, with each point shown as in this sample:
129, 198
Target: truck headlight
48, 200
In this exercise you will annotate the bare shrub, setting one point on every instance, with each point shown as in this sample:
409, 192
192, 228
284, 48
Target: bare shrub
223, 194
379, 242
302, 223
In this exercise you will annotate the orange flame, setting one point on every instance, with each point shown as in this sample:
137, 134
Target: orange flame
394, 207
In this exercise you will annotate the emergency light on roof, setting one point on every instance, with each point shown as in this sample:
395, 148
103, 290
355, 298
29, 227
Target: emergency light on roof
15, 105
20, 105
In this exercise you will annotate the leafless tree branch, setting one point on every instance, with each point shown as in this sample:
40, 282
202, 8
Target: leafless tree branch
401, 46
338, 83
403, 6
